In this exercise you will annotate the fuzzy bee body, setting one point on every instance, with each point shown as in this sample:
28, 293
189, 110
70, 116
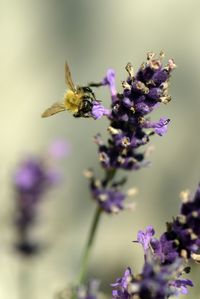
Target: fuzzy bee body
78, 100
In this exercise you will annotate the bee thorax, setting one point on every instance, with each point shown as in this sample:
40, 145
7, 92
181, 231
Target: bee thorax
72, 101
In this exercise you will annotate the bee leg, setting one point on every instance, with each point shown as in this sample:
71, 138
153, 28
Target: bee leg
77, 114
93, 84
81, 114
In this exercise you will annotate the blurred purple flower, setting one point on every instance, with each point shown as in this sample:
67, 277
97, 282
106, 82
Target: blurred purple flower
32, 180
59, 149
32, 176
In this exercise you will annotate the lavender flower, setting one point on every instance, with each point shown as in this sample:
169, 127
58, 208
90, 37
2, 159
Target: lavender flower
98, 110
145, 237
155, 282
32, 179
165, 258
160, 127
110, 81
184, 231
182, 238
142, 93
110, 199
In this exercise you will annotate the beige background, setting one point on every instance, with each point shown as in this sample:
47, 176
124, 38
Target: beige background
36, 39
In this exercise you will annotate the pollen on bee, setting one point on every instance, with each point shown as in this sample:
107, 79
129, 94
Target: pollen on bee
72, 100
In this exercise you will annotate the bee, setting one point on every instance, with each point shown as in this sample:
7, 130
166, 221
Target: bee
77, 99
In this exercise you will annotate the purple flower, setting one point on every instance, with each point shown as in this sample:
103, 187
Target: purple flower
184, 231
32, 180
166, 258
182, 238
164, 249
160, 127
121, 285
155, 282
110, 81
110, 199
145, 237
143, 92
181, 285
32, 176
98, 110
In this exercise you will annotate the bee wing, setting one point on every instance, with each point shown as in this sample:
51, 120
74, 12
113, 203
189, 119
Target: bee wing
55, 108
68, 78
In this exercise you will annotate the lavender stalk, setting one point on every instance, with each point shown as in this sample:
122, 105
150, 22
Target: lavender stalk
142, 93
98, 212
129, 129
87, 251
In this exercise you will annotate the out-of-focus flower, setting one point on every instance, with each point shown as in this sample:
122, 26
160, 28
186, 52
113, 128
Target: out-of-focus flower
59, 149
33, 178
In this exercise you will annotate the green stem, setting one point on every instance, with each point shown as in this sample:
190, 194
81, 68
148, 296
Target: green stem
86, 254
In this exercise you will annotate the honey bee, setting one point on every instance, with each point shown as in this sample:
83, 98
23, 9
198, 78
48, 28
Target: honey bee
77, 99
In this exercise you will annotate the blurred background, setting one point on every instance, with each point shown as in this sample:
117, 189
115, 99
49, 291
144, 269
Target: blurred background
37, 37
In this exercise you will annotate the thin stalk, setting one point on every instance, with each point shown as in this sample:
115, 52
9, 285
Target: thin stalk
86, 253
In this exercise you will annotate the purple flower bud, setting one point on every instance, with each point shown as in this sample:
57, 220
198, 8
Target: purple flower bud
160, 76
154, 93
110, 200
181, 286
127, 102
